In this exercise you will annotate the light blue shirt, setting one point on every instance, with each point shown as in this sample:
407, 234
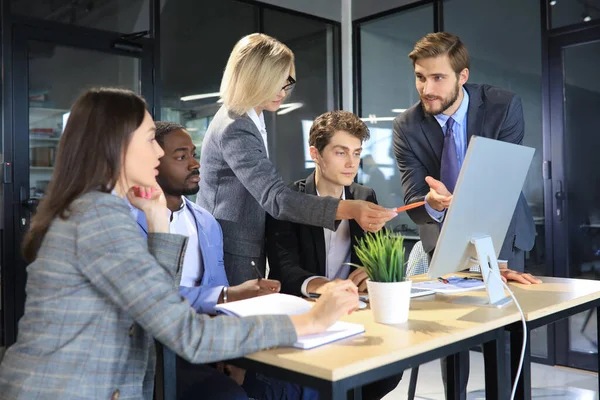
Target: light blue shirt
211, 276
460, 139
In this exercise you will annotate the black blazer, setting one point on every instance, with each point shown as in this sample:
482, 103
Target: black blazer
297, 251
418, 141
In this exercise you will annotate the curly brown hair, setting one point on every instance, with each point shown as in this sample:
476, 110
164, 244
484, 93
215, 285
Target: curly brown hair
326, 125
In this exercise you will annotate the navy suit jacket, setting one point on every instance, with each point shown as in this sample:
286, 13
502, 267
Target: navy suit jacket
418, 141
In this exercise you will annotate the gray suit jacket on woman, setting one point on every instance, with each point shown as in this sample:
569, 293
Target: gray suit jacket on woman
97, 295
238, 184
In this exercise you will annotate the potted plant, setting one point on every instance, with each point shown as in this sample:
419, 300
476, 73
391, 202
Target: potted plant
382, 256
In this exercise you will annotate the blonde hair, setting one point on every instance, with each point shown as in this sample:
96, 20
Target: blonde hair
254, 71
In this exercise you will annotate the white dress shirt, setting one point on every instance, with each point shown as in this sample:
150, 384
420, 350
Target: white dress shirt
184, 223
337, 252
259, 121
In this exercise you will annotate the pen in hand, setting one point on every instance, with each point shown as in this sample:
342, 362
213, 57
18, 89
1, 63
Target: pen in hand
258, 274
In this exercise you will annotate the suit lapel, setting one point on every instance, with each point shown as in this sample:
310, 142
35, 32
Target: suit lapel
356, 232
434, 134
141, 221
475, 113
202, 243
317, 234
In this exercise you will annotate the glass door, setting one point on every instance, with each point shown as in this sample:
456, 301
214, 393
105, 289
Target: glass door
575, 137
51, 68
57, 75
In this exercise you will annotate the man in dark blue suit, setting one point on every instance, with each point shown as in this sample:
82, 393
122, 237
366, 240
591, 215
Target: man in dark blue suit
431, 139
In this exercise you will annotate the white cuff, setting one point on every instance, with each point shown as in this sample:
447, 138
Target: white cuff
305, 284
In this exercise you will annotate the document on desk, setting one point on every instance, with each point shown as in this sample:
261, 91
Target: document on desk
284, 304
452, 284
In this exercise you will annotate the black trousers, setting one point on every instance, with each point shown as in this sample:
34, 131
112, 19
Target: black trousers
203, 381
517, 264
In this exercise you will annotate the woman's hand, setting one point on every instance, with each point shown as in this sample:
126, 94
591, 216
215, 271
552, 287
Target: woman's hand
152, 202
370, 216
340, 298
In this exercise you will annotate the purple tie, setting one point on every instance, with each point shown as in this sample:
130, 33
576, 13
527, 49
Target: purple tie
450, 168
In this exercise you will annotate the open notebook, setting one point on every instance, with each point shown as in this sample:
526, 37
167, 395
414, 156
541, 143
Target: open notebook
278, 304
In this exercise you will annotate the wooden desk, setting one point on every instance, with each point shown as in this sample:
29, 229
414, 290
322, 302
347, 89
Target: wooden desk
543, 304
551, 301
436, 328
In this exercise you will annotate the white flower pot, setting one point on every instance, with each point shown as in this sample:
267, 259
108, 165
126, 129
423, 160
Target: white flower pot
389, 301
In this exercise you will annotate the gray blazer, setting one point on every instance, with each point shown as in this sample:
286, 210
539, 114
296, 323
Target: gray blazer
97, 296
239, 183
418, 141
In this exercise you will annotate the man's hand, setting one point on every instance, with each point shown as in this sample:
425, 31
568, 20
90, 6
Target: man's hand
519, 277
370, 216
439, 197
316, 285
359, 277
253, 288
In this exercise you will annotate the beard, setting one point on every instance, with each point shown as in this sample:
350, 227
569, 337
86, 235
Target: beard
446, 103
182, 190
190, 191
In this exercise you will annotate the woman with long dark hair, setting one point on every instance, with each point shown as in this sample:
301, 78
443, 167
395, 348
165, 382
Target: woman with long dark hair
98, 293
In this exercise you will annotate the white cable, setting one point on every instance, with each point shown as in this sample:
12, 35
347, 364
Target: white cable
514, 388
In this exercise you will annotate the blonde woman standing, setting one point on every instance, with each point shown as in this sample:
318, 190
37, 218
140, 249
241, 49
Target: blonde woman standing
239, 183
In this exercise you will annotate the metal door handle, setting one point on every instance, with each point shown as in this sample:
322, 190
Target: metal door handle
560, 197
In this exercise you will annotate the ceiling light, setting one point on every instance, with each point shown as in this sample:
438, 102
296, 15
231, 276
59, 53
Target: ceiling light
587, 18
553, 3
398, 110
200, 96
373, 119
288, 108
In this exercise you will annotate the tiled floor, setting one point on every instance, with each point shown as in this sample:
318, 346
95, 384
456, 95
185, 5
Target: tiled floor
548, 382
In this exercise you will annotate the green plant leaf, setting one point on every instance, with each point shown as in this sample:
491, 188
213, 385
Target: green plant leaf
382, 256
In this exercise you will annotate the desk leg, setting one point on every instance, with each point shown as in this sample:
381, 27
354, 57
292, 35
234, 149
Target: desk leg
453, 373
598, 342
335, 391
524, 385
494, 358
355, 394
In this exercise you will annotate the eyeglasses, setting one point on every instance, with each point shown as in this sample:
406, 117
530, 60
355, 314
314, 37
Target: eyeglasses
290, 85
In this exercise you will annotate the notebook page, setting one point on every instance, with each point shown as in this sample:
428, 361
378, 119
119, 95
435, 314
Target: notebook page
271, 304
337, 331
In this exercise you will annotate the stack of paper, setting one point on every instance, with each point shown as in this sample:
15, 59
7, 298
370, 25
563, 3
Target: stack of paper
283, 304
